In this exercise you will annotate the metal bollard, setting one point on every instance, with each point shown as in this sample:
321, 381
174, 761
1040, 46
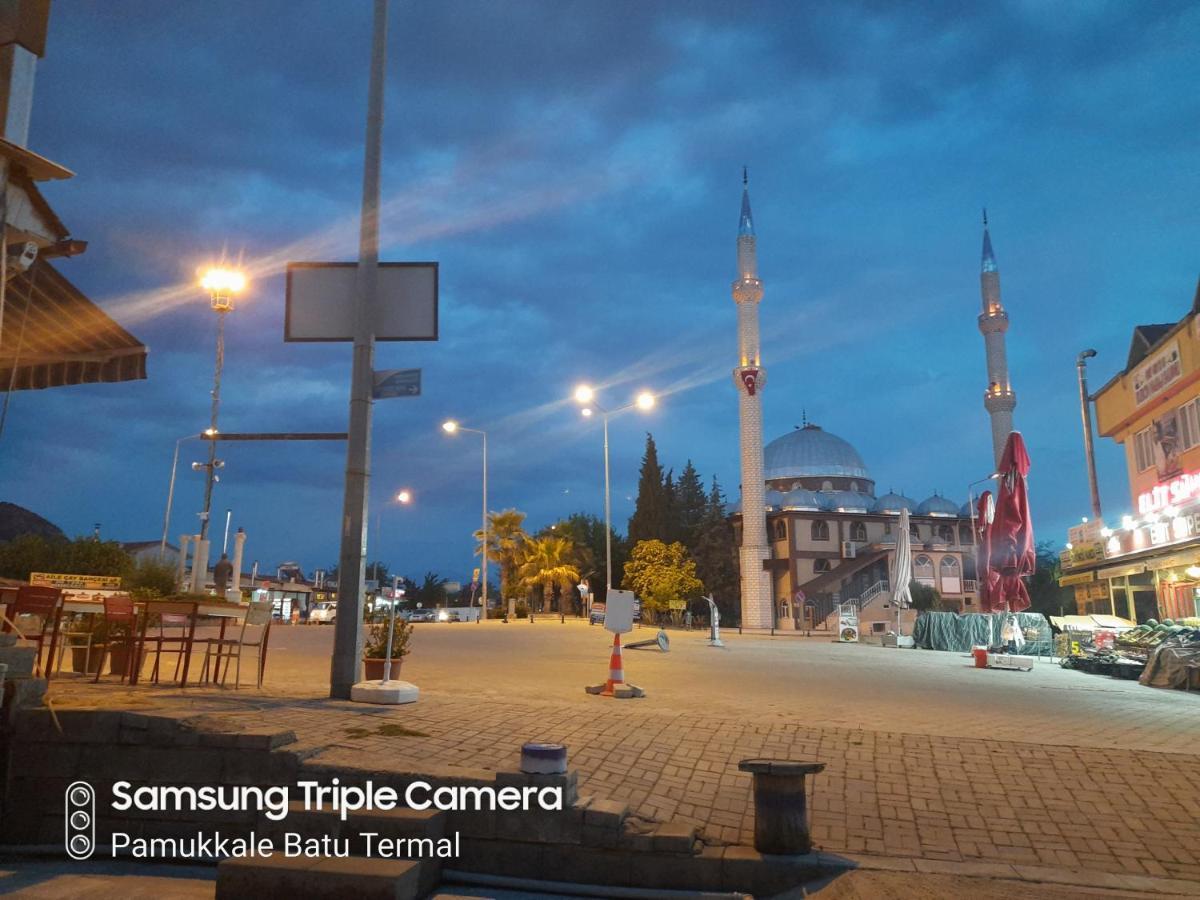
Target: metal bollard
780, 805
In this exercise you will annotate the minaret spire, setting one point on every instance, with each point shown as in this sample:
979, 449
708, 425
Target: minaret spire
749, 378
999, 399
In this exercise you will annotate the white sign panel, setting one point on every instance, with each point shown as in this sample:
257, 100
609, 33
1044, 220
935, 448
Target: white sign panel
1159, 372
320, 302
618, 616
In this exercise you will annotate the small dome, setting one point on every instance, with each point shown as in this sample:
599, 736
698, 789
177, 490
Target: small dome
893, 503
773, 500
801, 499
965, 510
938, 506
811, 451
846, 501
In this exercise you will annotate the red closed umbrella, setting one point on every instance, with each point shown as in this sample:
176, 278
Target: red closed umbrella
1012, 551
987, 577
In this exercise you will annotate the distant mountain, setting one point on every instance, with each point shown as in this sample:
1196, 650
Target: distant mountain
17, 520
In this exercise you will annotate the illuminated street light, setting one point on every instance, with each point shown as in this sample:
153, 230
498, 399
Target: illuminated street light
450, 426
404, 497
586, 397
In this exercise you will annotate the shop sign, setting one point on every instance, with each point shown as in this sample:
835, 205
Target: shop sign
1080, 578
1086, 531
1083, 554
1098, 591
75, 582
1177, 492
1162, 370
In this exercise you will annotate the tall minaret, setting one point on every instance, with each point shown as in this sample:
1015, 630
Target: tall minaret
999, 399
758, 609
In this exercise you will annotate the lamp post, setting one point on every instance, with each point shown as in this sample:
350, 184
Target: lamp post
404, 496
1085, 409
162, 546
450, 426
586, 397
221, 285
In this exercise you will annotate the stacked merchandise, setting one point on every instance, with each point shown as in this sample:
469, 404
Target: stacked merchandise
1135, 653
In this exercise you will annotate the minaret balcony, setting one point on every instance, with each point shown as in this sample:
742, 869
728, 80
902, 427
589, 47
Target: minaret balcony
747, 290
994, 320
998, 399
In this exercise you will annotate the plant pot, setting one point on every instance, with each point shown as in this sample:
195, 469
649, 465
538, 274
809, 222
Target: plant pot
80, 657
373, 668
118, 659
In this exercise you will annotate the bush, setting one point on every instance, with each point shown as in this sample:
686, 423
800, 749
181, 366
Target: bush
522, 610
151, 579
375, 640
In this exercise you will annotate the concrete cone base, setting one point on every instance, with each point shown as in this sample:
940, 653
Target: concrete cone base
390, 693
624, 691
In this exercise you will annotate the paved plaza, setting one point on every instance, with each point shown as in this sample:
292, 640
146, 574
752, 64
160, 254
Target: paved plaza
927, 757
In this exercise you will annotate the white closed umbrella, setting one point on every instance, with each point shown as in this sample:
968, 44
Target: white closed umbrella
901, 571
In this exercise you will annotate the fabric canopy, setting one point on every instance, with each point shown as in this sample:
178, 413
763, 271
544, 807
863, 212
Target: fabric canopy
52, 335
1013, 554
901, 569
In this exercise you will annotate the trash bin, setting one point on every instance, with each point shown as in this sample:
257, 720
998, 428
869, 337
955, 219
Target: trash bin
980, 654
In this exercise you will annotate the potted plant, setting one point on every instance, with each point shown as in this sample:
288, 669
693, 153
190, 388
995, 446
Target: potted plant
375, 645
86, 637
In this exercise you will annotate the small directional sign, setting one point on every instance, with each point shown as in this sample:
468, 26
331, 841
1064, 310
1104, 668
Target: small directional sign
397, 383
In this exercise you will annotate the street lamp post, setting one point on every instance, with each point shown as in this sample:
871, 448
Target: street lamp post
1085, 410
404, 497
586, 397
162, 546
450, 426
221, 285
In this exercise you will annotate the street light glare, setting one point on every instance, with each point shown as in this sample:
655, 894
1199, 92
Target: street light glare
404, 496
584, 394
587, 412
645, 400
449, 426
223, 281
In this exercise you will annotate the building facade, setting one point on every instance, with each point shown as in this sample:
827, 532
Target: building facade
831, 539
1146, 563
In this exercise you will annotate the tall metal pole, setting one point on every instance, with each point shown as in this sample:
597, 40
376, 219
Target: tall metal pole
347, 646
162, 546
607, 517
211, 468
1085, 408
483, 601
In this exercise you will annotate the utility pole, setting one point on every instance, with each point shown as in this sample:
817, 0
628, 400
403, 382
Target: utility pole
347, 646
1085, 408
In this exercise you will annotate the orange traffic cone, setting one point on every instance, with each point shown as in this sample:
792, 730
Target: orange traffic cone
616, 671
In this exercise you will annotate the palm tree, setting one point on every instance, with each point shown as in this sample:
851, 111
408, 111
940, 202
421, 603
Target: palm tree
506, 536
549, 562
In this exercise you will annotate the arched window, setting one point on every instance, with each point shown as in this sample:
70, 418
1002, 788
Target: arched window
827, 485
923, 570
820, 530
781, 530
821, 565
914, 532
854, 485
858, 532
951, 583
946, 533
964, 534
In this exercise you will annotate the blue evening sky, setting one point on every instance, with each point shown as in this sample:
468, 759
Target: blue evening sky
575, 167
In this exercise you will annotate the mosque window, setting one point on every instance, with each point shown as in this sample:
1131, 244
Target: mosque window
923, 569
913, 532
821, 565
964, 534
827, 485
858, 532
854, 485
946, 533
780, 530
820, 530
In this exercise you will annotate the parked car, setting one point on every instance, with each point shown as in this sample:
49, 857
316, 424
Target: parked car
324, 613
448, 615
422, 615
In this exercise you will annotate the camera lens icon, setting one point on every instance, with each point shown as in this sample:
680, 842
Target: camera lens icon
80, 816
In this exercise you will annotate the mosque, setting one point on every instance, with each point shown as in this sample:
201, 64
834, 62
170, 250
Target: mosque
820, 535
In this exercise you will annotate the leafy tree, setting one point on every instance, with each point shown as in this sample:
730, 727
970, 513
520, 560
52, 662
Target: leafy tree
1045, 596
431, 592
716, 555
150, 578
506, 536
549, 563
82, 556
671, 529
689, 505
587, 533
649, 519
661, 574
924, 596
378, 571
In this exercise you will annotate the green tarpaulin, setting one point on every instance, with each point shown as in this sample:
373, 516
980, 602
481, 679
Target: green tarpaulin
960, 632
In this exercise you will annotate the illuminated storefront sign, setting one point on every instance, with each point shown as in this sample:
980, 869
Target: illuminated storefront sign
1176, 492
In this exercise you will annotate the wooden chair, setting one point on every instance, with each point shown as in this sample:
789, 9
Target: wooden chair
257, 616
120, 614
44, 604
171, 643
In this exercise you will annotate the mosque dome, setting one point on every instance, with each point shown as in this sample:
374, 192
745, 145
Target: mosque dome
812, 452
965, 510
937, 506
846, 501
801, 499
773, 500
893, 503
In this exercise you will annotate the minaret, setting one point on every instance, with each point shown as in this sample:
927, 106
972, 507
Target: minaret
758, 609
999, 399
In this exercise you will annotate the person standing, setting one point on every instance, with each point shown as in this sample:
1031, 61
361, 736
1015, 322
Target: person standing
222, 573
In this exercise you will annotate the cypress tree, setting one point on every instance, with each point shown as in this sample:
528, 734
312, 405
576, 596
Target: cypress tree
717, 558
690, 505
649, 519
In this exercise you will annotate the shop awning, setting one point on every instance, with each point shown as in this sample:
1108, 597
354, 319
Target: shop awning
52, 335
1121, 571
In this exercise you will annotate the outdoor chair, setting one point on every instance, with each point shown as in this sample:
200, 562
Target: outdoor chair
45, 605
75, 627
120, 626
258, 615
165, 642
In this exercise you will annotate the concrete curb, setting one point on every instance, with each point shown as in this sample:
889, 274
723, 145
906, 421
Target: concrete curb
1148, 884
